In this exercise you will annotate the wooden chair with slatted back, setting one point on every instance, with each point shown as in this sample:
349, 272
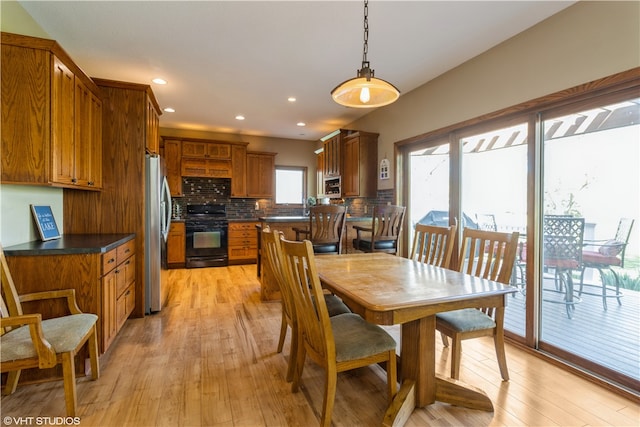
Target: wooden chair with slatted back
384, 232
489, 255
337, 343
326, 228
270, 241
27, 341
433, 244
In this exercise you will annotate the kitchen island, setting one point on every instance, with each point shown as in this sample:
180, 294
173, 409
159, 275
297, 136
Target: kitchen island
286, 224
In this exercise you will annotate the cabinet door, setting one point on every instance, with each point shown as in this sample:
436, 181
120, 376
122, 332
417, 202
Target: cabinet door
238, 171
176, 243
173, 157
152, 127
194, 149
62, 124
218, 151
320, 174
108, 318
88, 138
260, 174
332, 156
350, 171
25, 127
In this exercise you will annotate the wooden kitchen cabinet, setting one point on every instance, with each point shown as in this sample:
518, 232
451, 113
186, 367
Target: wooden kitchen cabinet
243, 242
206, 159
152, 120
120, 206
52, 115
172, 155
118, 291
360, 165
239, 170
261, 170
176, 245
320, 172
350, 164
101, 270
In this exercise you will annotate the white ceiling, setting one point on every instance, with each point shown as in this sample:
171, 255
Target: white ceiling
224, 58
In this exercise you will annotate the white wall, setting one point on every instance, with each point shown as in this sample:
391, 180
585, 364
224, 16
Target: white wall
585, 42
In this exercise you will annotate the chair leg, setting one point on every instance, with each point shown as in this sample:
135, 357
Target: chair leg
392, 379
293, 355
501, 355
93, 355
69, 374
299, 365
445, 341
329, 395
12, 382
283, 332
456, 353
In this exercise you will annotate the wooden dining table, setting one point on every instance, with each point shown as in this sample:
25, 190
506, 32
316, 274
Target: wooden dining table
389, 290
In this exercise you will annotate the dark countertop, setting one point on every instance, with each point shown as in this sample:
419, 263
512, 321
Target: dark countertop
243, 219
70, 244
304, 218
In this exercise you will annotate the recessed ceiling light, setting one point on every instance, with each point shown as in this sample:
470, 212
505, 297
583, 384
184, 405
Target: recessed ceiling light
301, 124
291, 99
159, 81
239, 117
169, 110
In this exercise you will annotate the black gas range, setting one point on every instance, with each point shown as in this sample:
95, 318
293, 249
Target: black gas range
206, 228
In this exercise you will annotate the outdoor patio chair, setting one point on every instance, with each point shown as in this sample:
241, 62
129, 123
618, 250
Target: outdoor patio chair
562, 238
603, 255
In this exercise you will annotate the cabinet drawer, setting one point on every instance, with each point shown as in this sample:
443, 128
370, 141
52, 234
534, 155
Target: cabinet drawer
242, 253
109, 261
126, 274
242, 234
124, 305
126, 250
242, 226
243, 242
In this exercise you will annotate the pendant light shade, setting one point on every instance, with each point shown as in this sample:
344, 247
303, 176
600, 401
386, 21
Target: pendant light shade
365, 90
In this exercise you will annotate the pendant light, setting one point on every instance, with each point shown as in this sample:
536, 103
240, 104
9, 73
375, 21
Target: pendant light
365, 91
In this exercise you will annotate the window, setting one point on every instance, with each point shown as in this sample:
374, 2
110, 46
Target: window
291, 185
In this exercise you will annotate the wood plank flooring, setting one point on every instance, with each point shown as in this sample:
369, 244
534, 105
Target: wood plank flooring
208, 359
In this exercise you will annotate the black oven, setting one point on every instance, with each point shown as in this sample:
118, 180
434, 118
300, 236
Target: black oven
206, 230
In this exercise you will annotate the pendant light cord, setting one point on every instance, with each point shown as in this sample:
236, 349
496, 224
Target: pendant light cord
365, 48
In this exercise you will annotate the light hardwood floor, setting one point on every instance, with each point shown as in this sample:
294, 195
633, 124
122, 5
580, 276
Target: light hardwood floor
208, 359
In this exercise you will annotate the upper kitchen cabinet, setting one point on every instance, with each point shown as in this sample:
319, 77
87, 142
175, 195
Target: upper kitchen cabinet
152, 126
349, 164
239, 170
51, 117
261, 170
207, 159
360, 160
172, 155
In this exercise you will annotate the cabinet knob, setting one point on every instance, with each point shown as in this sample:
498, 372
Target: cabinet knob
111, 260
74, 180
90, 183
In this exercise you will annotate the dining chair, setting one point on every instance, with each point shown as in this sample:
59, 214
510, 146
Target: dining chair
326, 228
383, 235
489, 255
433, 244
337, 343
604, 255
28, 341
273, 253
562, 244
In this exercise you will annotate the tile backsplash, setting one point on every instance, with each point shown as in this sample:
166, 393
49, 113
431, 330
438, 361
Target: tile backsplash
218, 190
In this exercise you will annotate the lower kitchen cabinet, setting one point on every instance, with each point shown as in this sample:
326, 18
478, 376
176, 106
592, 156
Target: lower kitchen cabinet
243, 242
176, 245
101, 269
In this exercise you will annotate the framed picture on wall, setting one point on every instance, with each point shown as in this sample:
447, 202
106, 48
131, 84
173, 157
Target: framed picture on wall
45, 222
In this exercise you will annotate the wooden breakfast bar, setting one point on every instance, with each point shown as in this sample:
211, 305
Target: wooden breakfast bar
388, 290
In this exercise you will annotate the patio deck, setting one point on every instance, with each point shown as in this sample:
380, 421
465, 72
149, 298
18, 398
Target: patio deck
610, 338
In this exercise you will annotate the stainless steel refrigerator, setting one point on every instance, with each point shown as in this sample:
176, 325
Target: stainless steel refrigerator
158, 219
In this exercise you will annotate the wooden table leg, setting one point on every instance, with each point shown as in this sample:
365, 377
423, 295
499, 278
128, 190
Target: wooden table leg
418, 359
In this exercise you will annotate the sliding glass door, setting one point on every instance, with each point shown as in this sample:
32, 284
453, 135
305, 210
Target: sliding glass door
590, 278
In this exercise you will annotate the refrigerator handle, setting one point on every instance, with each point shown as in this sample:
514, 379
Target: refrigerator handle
166, 212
